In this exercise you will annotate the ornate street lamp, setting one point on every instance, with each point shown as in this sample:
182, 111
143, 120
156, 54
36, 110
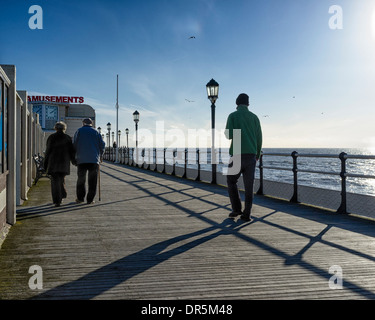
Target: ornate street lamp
118, 138
127, 143
212, 91
117, 156
136, 120
109, 132
109, 136
127, 137
213, 94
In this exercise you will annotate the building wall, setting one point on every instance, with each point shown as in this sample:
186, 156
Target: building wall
4, 87
21, 136
71, 114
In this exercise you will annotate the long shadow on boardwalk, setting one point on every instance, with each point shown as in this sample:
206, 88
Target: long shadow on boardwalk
109, 276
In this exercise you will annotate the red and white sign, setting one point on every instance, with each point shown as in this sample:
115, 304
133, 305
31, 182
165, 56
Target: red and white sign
56, 99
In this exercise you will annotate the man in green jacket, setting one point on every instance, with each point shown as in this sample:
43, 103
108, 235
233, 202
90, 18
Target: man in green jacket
244, 129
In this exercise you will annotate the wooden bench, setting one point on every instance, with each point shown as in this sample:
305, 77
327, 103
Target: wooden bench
40, 171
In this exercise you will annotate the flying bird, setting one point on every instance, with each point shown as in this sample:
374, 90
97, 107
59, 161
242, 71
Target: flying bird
266, 116
192, 37
189, 100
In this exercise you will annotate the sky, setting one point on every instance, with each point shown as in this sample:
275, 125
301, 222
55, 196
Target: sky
309, 71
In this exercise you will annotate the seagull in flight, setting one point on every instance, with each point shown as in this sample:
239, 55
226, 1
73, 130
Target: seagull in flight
266, 116
192, 37
189, 100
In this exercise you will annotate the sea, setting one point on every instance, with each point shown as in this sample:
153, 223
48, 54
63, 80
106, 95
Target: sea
330, 166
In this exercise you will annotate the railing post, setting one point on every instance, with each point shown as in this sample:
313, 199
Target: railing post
155, 161
143, 158
174, 153
198, 178
185, 166
213, 166
295, 177
260, 190
343, 207
164, 161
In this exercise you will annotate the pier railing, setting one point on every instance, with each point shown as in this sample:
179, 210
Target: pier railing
342, 173
150, 159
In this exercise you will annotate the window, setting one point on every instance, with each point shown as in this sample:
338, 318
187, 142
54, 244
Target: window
39, 110
48, 115
51, 116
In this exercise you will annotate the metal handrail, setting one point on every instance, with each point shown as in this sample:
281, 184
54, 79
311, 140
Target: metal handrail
127, 156
343, 157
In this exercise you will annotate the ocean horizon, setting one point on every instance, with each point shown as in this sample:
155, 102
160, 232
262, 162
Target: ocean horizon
329, 166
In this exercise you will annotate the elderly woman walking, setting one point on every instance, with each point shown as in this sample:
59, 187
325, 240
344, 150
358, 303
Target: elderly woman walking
59, 153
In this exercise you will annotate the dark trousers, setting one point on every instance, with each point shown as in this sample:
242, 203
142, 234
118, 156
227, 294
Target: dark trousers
92, 169
58, 187
243, 164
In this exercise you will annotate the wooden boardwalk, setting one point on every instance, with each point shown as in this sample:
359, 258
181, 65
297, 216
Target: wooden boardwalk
154, 236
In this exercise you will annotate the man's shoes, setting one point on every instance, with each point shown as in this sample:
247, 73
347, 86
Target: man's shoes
90, 202
245, 217
234, 214
57, 204
79, 201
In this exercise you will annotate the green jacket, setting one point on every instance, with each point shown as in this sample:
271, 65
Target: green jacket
251, 131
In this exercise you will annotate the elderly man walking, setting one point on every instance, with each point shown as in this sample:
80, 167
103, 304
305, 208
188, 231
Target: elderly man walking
89, 146
244, 129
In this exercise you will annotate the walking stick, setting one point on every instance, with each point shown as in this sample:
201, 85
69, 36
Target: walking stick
99, 184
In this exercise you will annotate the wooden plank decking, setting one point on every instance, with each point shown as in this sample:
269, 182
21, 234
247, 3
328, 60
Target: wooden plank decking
153, 236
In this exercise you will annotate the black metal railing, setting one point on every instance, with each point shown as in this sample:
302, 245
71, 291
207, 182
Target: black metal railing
128, 156
342, 173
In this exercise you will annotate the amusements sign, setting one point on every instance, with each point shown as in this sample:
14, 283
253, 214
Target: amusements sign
57, 99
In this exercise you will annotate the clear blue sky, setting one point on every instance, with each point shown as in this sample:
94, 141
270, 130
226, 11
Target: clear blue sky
272, 50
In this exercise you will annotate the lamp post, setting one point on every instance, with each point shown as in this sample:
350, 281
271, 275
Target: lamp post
127, 143
107, 153
118, 138
213, 94
117, 130
109, 138
113, 138
127, 137
136, 120
109, 132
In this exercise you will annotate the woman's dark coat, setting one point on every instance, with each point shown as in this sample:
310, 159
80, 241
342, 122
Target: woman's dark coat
59, 153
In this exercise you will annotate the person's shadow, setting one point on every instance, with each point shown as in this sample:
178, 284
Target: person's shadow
113, 274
